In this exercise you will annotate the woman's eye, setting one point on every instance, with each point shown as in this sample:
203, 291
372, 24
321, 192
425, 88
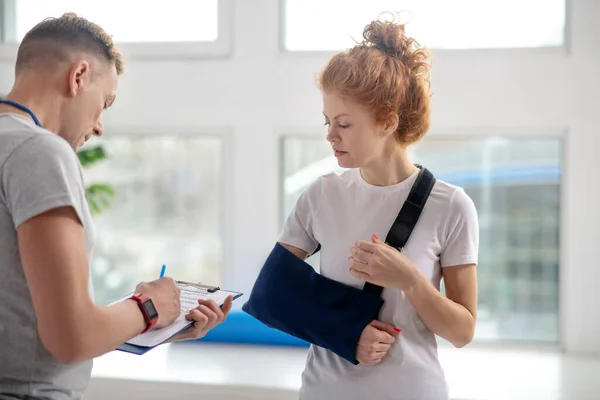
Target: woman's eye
339, 125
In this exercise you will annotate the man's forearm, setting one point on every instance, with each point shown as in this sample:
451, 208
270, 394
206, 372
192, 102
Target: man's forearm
102, 329
442, 316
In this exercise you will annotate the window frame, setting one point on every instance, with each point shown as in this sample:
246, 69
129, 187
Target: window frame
563, 49
220, 48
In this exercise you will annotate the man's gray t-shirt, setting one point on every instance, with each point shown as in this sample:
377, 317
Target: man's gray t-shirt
39, 171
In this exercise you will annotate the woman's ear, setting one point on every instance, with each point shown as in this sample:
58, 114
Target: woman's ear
390, 125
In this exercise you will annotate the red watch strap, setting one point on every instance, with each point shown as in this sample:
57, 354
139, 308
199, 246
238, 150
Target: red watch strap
140, 299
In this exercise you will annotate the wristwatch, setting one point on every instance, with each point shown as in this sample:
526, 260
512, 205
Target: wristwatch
148, 310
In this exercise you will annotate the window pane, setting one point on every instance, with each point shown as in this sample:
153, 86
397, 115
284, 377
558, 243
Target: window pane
313, 25
515, 184
166, 210
132, 20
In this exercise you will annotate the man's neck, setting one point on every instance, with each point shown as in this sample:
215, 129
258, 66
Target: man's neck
43, 107
11, 109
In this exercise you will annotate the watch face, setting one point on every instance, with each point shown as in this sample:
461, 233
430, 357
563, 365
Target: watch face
150, 310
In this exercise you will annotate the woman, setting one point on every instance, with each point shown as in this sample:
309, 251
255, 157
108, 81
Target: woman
376, 102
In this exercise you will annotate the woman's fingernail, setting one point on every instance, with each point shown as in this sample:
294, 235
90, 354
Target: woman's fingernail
350, 269
398, 330
375, 237
349, 258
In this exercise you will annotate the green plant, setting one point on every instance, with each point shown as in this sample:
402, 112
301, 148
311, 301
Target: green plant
98, 194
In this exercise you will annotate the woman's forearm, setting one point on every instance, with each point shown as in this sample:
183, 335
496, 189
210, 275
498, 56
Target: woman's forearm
444, 317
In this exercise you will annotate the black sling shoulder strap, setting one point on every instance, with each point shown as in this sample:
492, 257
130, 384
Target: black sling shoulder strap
407, 218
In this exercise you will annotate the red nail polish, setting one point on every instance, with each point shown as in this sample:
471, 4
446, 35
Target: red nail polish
375, 237
350, 269
398, 330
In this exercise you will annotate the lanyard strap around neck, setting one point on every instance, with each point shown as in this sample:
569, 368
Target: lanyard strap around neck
22, 108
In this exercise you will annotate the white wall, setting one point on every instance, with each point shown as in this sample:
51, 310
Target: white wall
260, 93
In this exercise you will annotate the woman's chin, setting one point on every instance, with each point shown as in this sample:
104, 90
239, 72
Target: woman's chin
345, 163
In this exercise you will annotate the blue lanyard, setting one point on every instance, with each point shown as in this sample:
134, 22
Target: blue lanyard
23, 108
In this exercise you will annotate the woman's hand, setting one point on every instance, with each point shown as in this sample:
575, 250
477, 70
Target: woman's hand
375, 341
381, 264
206, 316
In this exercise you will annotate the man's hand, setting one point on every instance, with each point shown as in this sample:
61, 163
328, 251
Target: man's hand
375, 341
164, 293
206, 316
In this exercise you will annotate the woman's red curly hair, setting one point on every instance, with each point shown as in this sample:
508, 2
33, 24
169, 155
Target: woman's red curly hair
388, 73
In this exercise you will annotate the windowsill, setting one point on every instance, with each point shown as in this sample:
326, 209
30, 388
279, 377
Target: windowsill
235, 370
208, 364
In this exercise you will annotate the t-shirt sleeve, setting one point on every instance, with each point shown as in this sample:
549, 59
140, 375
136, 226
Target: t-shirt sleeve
298, 230
42, 174
462, 232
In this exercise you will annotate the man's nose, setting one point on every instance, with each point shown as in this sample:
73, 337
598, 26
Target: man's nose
98, 129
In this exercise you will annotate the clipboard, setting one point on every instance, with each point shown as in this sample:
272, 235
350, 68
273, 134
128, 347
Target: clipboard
190, 294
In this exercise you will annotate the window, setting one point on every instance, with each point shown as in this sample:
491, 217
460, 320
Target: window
515, 184
141, 28
439, 24
166, 210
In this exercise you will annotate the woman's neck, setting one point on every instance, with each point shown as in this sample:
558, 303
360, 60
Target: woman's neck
389, 170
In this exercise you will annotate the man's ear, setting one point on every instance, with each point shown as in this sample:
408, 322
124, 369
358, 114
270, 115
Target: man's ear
79, 76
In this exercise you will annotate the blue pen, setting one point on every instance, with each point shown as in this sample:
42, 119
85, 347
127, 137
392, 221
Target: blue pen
162, 271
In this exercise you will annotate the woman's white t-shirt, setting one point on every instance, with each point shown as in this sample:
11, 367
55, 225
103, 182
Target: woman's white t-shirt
336, 211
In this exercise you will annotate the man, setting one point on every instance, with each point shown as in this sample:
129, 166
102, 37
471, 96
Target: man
66, 74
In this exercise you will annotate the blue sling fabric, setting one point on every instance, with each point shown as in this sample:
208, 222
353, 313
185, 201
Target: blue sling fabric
289, 295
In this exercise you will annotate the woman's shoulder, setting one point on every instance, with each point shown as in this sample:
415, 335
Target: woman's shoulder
452, 198
445, 189
332, 181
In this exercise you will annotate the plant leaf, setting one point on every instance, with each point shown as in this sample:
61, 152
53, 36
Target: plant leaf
98, 196
91, 156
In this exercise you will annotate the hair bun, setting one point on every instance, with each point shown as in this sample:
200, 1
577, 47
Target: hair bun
386, 36
390, 38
